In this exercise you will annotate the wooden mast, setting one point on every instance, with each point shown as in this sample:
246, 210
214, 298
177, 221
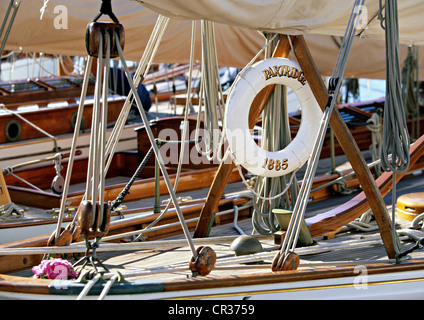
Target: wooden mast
341, 131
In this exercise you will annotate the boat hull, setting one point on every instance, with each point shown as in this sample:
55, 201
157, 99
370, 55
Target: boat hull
403, 281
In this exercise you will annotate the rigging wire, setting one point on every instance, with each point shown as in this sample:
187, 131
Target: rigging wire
142, 70
335, 82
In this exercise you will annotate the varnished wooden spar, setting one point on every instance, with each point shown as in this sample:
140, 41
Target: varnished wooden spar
338, 217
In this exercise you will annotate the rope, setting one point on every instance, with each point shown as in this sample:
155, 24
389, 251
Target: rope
409, 90
275, 136
418, 246
375, 148
184, 133
157, 153
116, 203
395, 131
114, 137
55, 148
142, 69
43, 9
73, 148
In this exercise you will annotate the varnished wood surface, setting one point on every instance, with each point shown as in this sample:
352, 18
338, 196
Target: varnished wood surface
44, 94
191, 209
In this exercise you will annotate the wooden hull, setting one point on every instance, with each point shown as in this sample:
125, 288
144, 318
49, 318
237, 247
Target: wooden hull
54, 120
142, 189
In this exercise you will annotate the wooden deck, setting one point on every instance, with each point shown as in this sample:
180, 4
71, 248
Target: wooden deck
169, 258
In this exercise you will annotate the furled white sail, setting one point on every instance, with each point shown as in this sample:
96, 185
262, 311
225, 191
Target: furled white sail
62, 29
329, 17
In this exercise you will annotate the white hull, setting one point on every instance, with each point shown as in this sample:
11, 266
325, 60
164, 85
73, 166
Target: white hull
387, 286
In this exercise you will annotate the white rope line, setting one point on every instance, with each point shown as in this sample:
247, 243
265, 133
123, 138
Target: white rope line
90, 284
78, 121
114, 137
142, 70
44, 9
3, 107
157, 152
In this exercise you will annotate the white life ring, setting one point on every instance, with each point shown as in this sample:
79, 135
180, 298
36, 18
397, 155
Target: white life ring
243, 148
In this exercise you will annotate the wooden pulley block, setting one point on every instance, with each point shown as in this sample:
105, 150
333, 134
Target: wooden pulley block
204, 262
92, 227
99, 28
65, 238
285, 262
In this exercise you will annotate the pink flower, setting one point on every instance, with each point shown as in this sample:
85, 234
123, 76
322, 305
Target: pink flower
54, 269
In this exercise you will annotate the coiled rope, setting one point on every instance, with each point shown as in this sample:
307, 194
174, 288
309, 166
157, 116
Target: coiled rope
395, 131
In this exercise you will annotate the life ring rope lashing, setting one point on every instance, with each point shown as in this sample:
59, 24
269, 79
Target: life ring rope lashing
244, 150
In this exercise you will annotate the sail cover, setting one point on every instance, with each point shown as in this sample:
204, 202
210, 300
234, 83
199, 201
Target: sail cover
329, 17
62, 29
